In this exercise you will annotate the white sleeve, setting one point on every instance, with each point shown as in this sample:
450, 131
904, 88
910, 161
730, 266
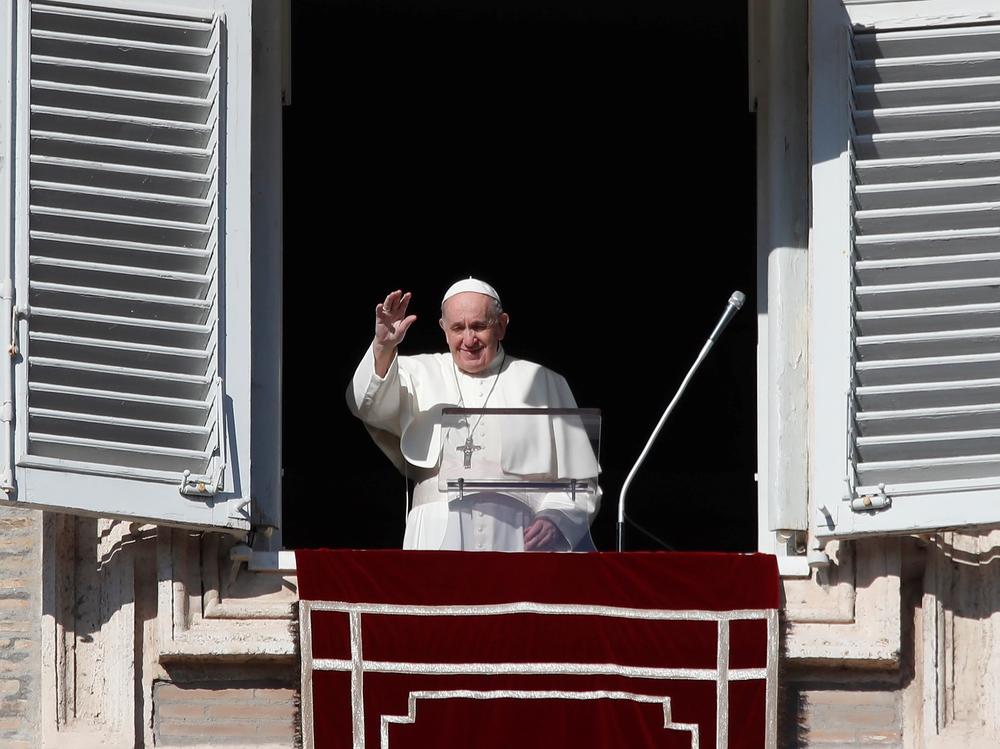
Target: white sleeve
572, 518
373, 399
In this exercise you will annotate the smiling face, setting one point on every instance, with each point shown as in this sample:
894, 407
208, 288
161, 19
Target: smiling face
473, 330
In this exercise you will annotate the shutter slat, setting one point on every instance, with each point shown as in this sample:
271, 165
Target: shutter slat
929, 294
929, 445
121, 17
906, 396
119, 143
157, 299
116, 117
181, 389
120, 43
110, 372
926, 244
127, 270
121, 195
122, 353
924, 68
91, 65
954, 141
932, 344
959, 317
114, 321
123, 371
915, 420
924, 93
916, 42
148, 451
206, 101
926, 370
968, 468
929, 218
126, 405
144, 247
103, 166
117, 218
117, 453
192, 430
928, 269
928, 193
914, 168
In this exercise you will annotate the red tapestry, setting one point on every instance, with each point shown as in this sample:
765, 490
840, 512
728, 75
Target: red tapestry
490, 650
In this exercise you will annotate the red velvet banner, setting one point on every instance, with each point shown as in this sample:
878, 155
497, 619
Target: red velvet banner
453, 649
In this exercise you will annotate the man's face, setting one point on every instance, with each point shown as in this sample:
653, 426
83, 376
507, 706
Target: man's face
472, 330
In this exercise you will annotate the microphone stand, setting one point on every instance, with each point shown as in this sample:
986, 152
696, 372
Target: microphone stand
735, 302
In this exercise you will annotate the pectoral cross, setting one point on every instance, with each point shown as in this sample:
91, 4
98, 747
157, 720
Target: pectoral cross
468, 448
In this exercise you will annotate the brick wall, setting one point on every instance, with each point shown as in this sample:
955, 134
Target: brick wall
20, 628
243, 714
840, 710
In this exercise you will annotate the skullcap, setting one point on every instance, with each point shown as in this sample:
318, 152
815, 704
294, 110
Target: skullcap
470, 284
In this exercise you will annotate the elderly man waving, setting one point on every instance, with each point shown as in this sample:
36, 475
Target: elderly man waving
399, 398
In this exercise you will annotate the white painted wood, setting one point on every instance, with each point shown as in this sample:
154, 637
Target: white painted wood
778, 70
270, 47
830, 244
118, 387
925, 274
8, 209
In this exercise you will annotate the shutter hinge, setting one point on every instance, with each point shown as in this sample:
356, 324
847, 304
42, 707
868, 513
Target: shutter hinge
16, 313
872, 501
210, 484
203, 486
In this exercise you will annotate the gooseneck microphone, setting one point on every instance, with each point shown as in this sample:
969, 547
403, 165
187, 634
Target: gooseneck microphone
732, 307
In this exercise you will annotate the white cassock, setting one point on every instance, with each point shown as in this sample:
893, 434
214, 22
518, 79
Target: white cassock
402, 412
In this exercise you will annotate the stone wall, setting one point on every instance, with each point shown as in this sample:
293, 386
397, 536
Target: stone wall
20, 630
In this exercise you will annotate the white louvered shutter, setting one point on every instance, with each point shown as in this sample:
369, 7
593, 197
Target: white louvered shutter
122, 404
925, 405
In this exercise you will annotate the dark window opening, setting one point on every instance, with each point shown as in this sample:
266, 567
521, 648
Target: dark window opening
594, 162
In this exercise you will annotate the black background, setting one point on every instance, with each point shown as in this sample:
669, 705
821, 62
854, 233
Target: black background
595, 163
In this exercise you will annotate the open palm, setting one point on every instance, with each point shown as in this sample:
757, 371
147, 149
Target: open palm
391, 320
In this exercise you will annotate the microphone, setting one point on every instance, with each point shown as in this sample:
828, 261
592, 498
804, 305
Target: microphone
732, 307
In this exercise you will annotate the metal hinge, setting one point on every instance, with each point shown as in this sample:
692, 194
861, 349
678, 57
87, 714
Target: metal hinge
208, 485
872, 501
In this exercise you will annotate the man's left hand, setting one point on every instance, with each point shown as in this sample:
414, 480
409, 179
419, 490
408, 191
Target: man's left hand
543, 535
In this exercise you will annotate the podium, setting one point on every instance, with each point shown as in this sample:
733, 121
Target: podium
409, 649
514, 463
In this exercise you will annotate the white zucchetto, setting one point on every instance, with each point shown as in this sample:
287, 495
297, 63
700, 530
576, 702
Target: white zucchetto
470, 284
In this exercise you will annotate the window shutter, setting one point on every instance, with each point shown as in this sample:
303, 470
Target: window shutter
925, 183
122, 405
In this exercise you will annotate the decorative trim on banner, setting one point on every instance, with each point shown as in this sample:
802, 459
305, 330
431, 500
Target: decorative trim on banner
500, 694
529, 607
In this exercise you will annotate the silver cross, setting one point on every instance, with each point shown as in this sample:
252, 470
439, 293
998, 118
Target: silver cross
468, 448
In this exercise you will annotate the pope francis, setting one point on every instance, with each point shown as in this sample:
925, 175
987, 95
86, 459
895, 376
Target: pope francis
400, 400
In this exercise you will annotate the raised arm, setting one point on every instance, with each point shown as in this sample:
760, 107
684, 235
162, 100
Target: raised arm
391, 324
